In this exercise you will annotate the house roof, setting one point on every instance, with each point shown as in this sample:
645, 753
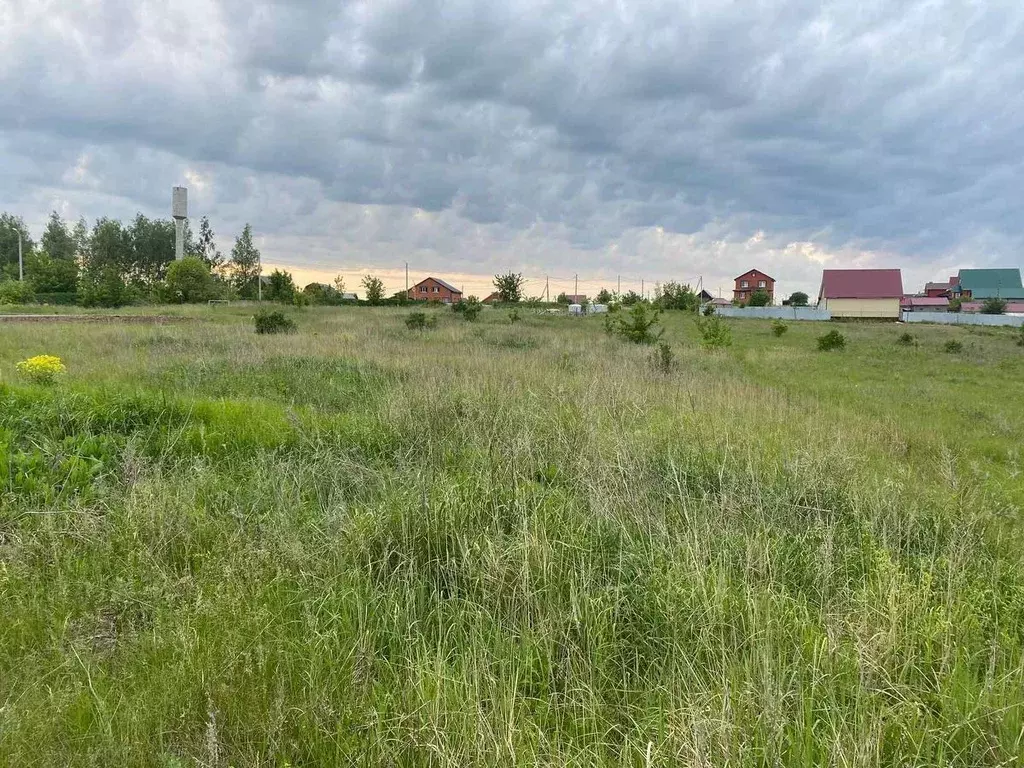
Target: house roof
721, 302
986, 283
936, 286
861, 284
495, 296
925, 301
755, 270
446, 284
704, 296
1012, 308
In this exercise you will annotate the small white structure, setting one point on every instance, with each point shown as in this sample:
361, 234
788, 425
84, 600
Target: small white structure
598, 309
575, 309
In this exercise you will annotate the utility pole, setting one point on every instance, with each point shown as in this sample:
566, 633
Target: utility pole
259, 278
576, 289
547, 294
407, 279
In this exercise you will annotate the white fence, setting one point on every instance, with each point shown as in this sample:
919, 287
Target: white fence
961, 318
775, 313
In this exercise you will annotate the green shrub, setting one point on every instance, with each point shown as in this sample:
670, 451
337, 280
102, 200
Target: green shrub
759, 298
16, 292
831, 340
513, 316
714, 333
779, 327
953, 347
709, 309
1020, 337
906, 340
636, 326
468, 308
993, 306
188, 281
273, 322
418, 321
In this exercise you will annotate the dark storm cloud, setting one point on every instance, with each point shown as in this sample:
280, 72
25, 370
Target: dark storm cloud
888, 126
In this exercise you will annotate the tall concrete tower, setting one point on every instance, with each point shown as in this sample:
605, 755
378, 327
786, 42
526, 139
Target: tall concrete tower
179, 210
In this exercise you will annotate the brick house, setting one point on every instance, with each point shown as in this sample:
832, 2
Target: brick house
435, 289
939, 290
751, 281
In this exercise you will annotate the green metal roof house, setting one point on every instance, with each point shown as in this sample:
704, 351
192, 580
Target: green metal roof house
989, 283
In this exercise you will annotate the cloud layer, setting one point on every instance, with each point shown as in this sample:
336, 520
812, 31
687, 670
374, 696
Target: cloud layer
657, 139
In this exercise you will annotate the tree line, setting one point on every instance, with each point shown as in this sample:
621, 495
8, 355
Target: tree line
115, 263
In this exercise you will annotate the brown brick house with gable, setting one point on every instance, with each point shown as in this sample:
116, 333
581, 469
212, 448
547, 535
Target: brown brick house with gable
751, 281
435, 289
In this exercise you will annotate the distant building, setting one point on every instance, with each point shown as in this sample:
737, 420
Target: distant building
576, 298
938, 290
988, 284
924, 304
492, 298
752, 281
861, 292
704, 297
435, 289
1011, 308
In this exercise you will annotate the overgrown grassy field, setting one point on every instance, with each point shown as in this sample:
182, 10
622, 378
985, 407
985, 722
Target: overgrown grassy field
495, 544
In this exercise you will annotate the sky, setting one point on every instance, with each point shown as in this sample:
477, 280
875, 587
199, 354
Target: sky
616, 140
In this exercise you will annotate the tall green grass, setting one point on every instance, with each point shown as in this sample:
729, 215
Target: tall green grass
366, 545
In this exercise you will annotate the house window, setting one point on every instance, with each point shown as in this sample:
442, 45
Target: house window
743, 284
436, 289
761, 283
423, 289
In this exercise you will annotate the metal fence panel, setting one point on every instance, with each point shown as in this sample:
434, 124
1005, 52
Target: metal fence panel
962, 318
775, 313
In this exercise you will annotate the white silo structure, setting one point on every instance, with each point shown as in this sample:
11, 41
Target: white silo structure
179, 210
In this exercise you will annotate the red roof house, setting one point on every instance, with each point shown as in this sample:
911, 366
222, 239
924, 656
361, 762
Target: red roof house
435, 289
749, 282
861, 292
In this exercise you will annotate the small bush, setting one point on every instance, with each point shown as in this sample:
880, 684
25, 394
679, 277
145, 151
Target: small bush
709, 309
513, 316
993, 306
953, 347
831, 340
16, 292
1020, 337
42, 369
636, 326
273, 322
906, 340
664, 360
468, 308
779, 327
714, 333
416, 321
759, 298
